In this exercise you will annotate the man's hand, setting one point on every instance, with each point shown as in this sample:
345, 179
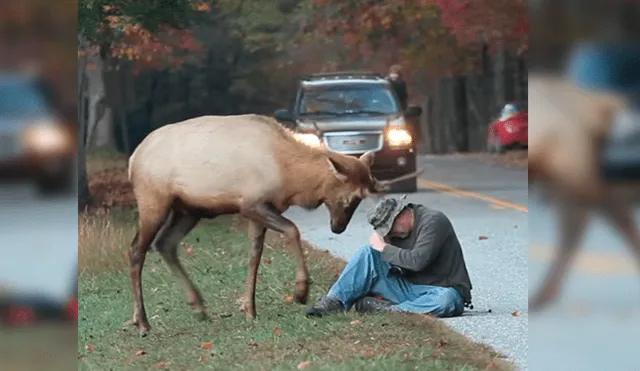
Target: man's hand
377, 242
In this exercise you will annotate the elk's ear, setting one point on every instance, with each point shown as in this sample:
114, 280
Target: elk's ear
367, 158
338, 170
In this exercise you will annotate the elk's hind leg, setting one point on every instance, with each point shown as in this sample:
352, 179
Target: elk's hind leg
624, 221
573, 219
178, 225
257, 234
151, 220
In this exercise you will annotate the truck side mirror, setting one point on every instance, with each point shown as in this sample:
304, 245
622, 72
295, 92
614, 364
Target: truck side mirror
283, 115
413, 111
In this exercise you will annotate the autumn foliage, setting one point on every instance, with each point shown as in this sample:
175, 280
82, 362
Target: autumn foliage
495, 21
425, 24
119, 36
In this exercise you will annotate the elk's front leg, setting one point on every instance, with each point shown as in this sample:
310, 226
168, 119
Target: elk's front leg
573, 219
623, 219
257, 233
270, 217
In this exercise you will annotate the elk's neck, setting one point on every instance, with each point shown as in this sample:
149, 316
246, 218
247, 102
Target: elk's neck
304, 183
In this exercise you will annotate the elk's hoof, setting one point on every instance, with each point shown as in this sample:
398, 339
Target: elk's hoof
542, 300
129, 323
143, 330
302, 292
200, 315
249, 314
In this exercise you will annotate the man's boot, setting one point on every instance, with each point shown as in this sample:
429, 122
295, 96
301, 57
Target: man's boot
325, 306
369, 304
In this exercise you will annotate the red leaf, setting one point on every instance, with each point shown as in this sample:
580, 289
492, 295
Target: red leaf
208, 345
303, 365
277, 332
163, 364
90, 348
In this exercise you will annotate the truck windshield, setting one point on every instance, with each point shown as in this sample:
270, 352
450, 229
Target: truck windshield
20, 98
348, 99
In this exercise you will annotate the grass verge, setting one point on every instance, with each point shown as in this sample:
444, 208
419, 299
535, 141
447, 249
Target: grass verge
216, 256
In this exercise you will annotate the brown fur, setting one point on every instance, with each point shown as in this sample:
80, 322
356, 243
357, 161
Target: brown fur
248, 165
564, 158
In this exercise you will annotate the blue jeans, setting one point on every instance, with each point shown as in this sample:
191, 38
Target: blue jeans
366, 274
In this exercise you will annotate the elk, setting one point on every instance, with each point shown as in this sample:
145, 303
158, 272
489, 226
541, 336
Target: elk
567, 137
242, 164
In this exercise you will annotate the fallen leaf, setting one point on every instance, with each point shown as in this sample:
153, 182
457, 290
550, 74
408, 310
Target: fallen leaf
203, 358
90, 348
189, 250
140, 353
277, 332
267, 261
162, 364
208, 345
516, 313
356, 322
491, 365
367, 353
253, 343
303, 365
483, 238
288, 299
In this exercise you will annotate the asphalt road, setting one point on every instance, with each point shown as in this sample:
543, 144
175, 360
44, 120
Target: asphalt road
481, 200
39, 242
595, 324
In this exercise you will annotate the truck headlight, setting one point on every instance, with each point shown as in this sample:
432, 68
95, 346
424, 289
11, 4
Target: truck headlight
46, 137
311, 140
399, 138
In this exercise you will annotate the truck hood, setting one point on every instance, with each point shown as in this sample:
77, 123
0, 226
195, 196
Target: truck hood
13, 125
346, 123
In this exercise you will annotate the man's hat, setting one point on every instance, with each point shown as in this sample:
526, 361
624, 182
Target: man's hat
382, 216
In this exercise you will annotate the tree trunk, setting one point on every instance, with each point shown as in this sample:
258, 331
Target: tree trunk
84, 195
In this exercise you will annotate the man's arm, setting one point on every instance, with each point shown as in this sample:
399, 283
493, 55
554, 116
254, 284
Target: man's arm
430, 239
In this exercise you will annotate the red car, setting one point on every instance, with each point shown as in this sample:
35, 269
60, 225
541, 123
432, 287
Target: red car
510, 129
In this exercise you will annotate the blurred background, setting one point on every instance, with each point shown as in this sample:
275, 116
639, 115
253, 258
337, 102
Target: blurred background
595, 321
38, 202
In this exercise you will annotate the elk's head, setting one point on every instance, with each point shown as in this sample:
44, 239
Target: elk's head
350, 183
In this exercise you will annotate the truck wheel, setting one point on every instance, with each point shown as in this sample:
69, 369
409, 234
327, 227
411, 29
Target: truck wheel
59, 183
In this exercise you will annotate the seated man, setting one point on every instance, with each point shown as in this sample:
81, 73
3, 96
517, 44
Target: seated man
420, 267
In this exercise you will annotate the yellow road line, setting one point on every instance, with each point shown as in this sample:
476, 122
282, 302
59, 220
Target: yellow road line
494, 202
589, 261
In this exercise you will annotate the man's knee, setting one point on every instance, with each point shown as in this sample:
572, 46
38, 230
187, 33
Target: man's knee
449, 303
367, 255
367, 251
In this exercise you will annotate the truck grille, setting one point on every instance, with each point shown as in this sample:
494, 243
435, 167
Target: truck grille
354, 142
8, 146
